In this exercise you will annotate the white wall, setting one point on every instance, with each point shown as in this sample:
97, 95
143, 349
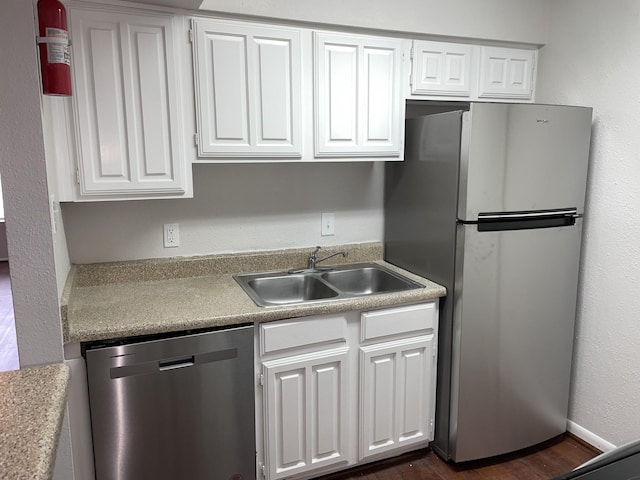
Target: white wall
236, 208
24, 184
592, 59
522, 21
24, 179
55, 146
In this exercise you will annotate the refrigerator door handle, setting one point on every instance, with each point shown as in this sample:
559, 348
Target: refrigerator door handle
530, 215
495, 222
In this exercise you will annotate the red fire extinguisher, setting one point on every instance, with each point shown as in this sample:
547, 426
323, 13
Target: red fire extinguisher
55, 58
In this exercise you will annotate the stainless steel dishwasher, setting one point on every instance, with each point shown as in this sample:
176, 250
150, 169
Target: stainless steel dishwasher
174, 408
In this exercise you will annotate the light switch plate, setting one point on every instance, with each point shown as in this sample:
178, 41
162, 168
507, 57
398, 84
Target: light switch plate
328, 224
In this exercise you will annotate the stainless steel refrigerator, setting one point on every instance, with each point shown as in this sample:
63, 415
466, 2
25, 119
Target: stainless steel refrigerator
489, 202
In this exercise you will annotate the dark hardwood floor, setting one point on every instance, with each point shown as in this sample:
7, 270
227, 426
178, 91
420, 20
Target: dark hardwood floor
550, 459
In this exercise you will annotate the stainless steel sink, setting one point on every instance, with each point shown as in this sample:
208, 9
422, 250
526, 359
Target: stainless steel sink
367, 281
346, 281
282, 290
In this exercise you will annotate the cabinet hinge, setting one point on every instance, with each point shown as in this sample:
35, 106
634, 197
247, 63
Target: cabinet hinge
78, 176
262, 469
191, 36
260, 379
411, 54
431, 428
196, 138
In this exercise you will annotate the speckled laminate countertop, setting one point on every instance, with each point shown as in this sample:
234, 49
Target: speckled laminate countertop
32, 405
115, 300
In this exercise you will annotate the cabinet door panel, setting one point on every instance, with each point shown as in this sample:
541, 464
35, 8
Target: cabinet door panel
224, 90
441, 68
275, 59
414, 383
104, 143
340, 112
396, 391
150, 103
248, 90
383, 369
357, 95
290, 393
305, 412
274, 94
379, 99
229, 92
126, 100
326, 396
506, 73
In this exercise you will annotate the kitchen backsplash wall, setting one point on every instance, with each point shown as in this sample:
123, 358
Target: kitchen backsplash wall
236, 208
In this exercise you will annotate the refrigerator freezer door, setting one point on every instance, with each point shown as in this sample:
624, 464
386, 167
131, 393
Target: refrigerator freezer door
421, 197
513, 335
519, 157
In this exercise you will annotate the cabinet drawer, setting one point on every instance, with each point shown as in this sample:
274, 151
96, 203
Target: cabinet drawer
394, 321
288, 334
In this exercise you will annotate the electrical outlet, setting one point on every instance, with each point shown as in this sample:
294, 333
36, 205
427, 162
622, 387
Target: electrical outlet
171, 235
328, 224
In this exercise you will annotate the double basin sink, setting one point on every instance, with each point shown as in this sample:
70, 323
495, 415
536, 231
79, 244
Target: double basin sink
270, 289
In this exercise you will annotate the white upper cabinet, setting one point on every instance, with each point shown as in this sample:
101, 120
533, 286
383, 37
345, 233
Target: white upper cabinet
506, 73
358, 95
455, 71
127, 105
440, 68
248, 89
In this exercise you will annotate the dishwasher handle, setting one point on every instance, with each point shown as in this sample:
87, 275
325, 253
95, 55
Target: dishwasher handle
171, 363
176, 363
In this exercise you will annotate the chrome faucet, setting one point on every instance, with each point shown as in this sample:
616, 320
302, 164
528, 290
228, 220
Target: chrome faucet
312, 259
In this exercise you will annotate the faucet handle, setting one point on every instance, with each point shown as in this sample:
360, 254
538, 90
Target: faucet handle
311, 258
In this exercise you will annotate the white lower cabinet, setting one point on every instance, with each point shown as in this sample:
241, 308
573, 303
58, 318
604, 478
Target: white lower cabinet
396, 406
346, 389
305, 412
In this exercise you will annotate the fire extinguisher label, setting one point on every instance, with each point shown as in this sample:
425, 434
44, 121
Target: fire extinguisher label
58, 52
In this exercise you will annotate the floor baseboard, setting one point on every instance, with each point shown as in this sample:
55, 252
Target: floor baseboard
589, 437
